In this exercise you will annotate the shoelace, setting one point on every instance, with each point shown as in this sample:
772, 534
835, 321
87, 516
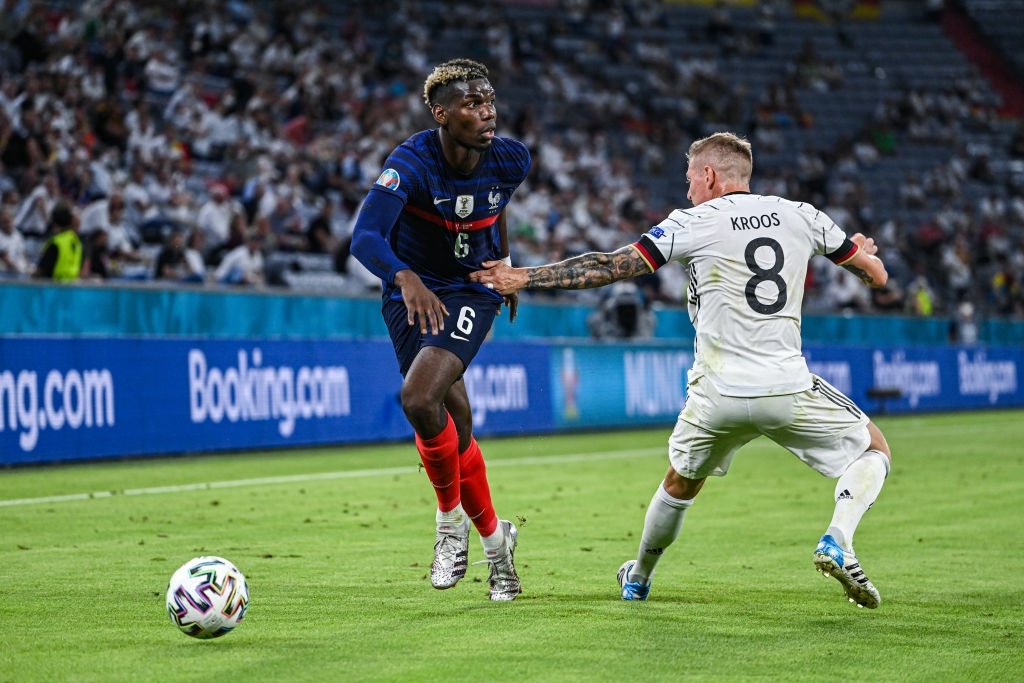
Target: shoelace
501, 568
448, 549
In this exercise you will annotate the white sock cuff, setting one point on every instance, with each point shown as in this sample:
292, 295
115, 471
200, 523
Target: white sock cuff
881, 456
455, 516
668, 499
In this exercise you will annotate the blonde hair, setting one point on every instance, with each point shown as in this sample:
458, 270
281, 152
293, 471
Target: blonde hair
454, 70
729, 154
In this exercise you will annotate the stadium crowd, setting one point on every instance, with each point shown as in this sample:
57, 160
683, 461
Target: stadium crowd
231, 143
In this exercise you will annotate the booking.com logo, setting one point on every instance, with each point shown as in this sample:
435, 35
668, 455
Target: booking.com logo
72, 400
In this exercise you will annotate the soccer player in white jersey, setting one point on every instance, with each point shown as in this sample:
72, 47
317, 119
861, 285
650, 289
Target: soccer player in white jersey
747, 256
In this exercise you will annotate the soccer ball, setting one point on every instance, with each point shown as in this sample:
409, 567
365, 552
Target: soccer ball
207, 597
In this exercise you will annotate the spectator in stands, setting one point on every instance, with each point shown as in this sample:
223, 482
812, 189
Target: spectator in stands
36, 209
109, 125
888, 298
22, 142
992, 207
912, 194
286, 222
145, 143
139, 205
61, 257
963, 327
812, 174
172, 262
107, 214
956, 264
865, 151
847, 294
320, 234
215, 216
921, 296
243, 265
161, 186
96, 264
1005, 288
223, 128
163, 74
195, 251
13, 258
237, 232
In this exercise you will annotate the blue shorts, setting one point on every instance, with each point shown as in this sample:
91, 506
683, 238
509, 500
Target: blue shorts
470, 316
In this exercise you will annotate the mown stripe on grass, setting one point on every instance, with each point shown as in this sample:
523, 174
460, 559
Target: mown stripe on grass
324, 476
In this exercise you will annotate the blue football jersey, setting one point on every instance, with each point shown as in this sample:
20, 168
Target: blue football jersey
449, 222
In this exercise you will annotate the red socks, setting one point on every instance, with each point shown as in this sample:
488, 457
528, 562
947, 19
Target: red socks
476, 492
440, 458
459, 477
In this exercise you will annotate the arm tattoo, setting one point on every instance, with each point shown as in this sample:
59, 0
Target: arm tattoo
864, 276
588, 270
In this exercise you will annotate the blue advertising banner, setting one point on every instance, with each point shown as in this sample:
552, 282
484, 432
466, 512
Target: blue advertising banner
80, 398
922, 378
607, 385
69, 399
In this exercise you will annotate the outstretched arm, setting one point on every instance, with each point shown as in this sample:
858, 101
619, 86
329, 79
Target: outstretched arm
595, 269
512, 298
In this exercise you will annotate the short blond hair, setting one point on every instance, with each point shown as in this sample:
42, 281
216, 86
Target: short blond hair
727, 153
452, 71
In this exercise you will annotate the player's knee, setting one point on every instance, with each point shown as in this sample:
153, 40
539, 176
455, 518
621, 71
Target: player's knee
421, 410
678, 486
878, 442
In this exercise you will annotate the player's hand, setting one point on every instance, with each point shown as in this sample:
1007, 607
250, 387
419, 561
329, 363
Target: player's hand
512, 301
421, 304
867, 244
500, 277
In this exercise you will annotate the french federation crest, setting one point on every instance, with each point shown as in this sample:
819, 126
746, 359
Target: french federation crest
493, 198
463, 205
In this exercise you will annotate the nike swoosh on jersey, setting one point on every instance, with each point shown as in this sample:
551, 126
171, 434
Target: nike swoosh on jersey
458, 336
438, 200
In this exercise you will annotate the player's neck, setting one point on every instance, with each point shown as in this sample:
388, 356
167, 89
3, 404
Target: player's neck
460, 157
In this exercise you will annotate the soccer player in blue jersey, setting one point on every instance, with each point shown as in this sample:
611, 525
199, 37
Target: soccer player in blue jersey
435, 214
747, 255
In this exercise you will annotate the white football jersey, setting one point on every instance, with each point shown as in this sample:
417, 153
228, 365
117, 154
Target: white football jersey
747, 256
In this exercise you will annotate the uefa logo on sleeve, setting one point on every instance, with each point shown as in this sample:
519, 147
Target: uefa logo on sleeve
389, 179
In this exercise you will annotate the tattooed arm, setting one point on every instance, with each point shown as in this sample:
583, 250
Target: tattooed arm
865, 265
580, 272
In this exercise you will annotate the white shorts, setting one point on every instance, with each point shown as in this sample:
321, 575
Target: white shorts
820, 426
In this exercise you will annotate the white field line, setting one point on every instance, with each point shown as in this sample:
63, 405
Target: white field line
325, 476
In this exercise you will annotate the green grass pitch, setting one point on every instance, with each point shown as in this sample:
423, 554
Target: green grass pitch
336, 545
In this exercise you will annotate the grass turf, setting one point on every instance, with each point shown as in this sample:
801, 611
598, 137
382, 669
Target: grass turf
336, 546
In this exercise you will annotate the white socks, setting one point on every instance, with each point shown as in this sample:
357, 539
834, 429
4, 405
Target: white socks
856, 490
455, 519
662, 524
495, 543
